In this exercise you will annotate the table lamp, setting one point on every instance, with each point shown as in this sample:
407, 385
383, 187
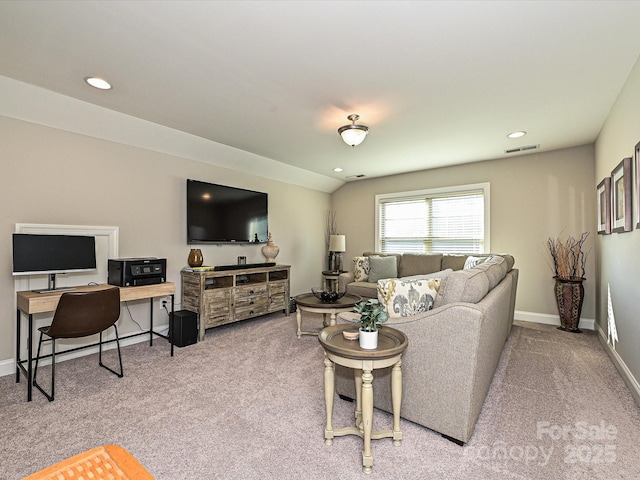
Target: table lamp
337, 245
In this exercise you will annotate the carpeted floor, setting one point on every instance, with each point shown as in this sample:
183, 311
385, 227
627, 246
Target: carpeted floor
247, 403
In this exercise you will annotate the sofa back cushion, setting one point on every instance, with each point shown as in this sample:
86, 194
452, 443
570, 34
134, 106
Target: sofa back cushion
454, 261
382, 267
380, 254
403, 298
473, 284
419, 263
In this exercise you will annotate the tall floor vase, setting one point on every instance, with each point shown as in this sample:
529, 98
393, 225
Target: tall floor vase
569, 298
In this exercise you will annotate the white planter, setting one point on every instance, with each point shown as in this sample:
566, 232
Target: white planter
368, 340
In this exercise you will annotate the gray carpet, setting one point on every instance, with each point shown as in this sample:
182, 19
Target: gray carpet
247, 403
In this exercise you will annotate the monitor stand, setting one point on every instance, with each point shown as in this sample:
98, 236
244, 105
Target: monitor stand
52, 286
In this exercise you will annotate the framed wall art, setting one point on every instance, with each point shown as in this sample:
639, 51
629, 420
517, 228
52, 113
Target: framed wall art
604, 206
637, 157
622, 219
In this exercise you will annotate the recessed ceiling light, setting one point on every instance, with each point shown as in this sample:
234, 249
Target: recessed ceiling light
518, 134
337, 169
97, 82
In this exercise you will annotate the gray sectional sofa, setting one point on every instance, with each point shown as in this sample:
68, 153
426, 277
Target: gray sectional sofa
454, 348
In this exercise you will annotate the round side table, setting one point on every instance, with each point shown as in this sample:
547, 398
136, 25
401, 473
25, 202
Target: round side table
391, 345
330, 278
307, 302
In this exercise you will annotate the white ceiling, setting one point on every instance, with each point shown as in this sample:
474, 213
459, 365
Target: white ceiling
438, 83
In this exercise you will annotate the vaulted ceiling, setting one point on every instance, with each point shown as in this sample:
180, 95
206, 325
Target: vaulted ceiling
438, 83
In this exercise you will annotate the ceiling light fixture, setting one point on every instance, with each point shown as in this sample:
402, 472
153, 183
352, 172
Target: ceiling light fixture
337, 169
100, 83
353, 134
518, 134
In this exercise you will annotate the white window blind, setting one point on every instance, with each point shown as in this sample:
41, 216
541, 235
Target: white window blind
445, 222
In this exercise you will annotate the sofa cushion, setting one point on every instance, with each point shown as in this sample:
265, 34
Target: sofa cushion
509, 260
382, 267
380, 254
403, 298
419, 263
495, 269
363, 289
441, 274
454, 261
361, 269
473, 284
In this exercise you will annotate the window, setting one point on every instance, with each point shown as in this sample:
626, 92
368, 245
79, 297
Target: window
443, 220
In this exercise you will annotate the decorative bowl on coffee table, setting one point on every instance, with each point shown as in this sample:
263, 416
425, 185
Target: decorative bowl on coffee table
326, 296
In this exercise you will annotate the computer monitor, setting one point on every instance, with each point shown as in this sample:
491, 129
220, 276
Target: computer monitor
35, 254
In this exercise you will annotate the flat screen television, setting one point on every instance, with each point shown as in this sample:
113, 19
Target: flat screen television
223, 214
35, 254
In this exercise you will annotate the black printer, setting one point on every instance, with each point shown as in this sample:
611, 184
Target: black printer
133, 272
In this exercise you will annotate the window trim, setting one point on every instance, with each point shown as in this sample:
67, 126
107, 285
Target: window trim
440, 191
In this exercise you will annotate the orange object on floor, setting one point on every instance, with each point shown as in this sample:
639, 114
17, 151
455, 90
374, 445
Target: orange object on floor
109, 462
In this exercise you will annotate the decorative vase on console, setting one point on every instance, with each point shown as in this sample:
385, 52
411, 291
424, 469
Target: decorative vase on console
270, 250
195, 258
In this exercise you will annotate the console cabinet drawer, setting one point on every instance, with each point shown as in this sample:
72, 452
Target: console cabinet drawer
247, 302
251, 291
250, 311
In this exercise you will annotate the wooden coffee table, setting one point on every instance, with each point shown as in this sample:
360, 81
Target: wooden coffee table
307, 302
391, 345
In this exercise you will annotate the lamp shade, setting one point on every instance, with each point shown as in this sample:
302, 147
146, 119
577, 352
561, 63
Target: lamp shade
337, 243
353, 134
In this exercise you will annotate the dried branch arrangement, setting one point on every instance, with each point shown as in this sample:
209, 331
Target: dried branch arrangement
569, 257
332, 227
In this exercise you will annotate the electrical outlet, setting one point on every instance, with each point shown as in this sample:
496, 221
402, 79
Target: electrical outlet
163, 304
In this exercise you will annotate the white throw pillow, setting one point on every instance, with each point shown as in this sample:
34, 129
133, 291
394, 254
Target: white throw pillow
471, 262
361, 269
403, 298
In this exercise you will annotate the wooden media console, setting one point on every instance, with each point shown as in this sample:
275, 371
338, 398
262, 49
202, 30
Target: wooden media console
228, 296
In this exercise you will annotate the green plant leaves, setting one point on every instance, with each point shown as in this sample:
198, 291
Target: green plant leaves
372, 315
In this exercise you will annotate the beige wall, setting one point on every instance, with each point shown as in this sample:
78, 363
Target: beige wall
57, 177
532, 197
619, 253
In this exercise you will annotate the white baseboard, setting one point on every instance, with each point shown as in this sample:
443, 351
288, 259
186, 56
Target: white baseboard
585, 323
623, 370
8, 367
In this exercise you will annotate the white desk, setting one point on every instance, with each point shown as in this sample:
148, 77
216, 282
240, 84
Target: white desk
30, 302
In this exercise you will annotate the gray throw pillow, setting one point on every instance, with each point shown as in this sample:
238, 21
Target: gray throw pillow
382, 267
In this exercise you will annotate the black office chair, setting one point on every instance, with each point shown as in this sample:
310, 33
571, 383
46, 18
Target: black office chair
80, 314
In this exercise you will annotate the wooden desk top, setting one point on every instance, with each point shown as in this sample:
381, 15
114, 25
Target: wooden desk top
32, 302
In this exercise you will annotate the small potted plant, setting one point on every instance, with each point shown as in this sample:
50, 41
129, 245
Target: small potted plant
372, 315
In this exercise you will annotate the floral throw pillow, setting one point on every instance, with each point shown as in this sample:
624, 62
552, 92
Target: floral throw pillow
403, 298
361, 269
